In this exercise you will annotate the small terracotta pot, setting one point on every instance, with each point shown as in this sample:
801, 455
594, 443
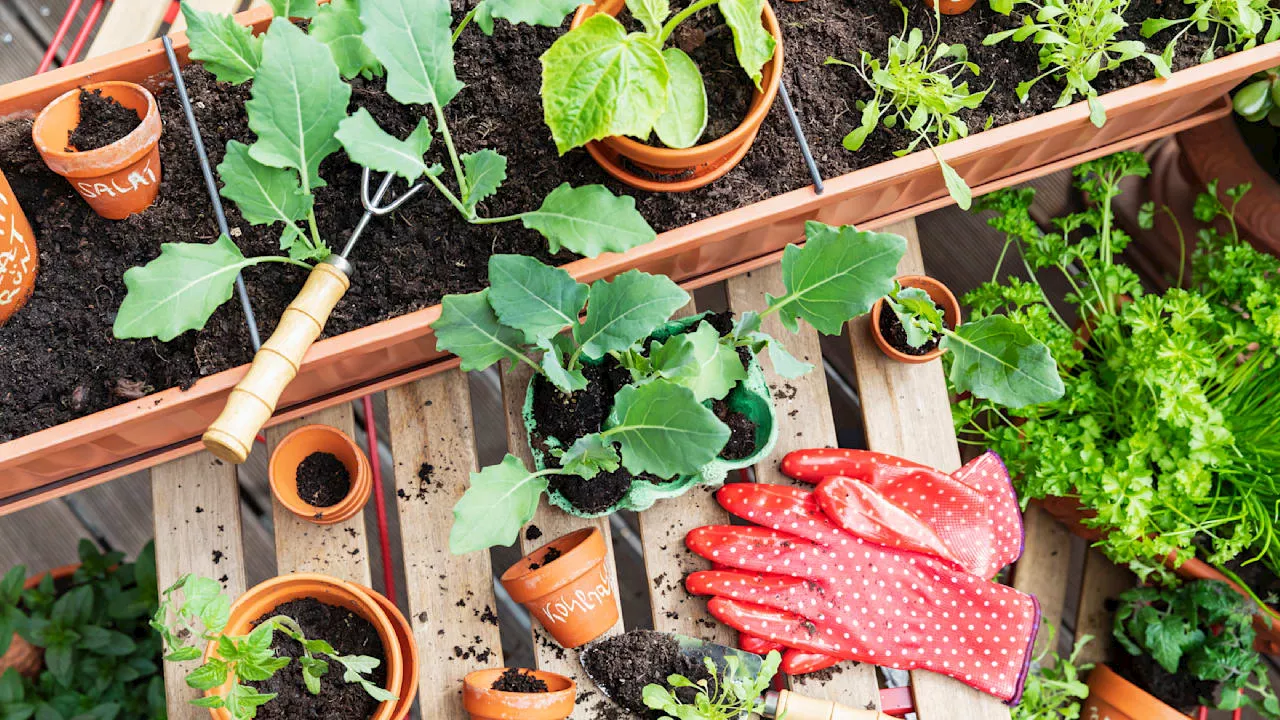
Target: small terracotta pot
22, 656
264, 598
952, 7
571, 596
408, 651
484, 703
700, 165
19, 259
294, 448
942, 297
120, 179
1111, 697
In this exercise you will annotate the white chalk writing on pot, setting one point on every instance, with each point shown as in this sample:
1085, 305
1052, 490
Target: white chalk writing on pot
15, 255
581, 601
138, 178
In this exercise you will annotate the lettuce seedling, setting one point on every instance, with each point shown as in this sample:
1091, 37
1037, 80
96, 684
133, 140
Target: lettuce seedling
993, 358
919, 87
599, 81
202, 614
1245, 23
1257, 99
727, 695
658, 424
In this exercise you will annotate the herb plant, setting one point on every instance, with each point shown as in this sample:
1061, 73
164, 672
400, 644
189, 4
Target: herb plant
919, 88
598, 80
1078, 39
1244, 23
298, 109
658, 424
101, 660
993, 358
1054, 687
203, 613
1256, 99
727, 695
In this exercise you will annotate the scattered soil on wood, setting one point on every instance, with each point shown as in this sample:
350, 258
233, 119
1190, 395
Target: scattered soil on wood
349, 634
550, 556
519, 680
1181, 692
323, 481
102, 122
892, 330
623, 664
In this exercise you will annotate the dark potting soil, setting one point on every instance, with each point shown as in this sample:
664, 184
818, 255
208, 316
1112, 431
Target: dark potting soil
323, 480
623, 664
892, 330
1181, 692
349, 634
102, 122
742, 432
550, 556
521, 681
1258, 576
58, 356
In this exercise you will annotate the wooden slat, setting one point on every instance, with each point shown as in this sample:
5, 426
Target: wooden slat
340, 549
1103, 580
127, 23
197, 519
451, 602
1044, 567
907, 412
41, 537
20, 51
803, 410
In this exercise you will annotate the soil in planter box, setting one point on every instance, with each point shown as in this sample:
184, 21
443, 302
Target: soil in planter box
520, 681
60, 361
323, 481
623, 664
102, 122
1181, 692
349, 634
892, 330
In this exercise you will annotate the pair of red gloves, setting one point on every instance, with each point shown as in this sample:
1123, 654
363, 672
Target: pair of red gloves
886, 561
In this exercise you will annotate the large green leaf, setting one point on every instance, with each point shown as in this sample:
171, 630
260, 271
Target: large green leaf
264, 194
685, 118
414, 41
468, 328
997, 359
599, 81
226, 48
651, 13
538, 300
589, 220
624, 311
338, 25
547, 13
662, 429
286, 9
752, 42
501, 499
837, 276
368, 145
298, 101
486, 170
698, 361
179, 290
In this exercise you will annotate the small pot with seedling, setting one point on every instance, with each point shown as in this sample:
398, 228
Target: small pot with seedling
319, 474
19, 259
104, 138
903, 322
566, 585
610, 89
517, 694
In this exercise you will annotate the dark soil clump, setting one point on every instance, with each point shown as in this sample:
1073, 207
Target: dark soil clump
520, 680
622, 665
595, 495
892, 330
323, 481
349, 634
742, 432
102, 122
550, 556
1181, 692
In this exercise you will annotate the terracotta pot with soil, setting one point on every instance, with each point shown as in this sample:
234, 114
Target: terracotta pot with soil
351, 620
104, 139
1114, 698
22, 656
19, 259
517, 694
565, 584
887, 330
320, 474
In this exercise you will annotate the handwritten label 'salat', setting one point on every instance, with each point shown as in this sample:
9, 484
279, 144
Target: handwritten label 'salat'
566, 606
16, 261
137, 179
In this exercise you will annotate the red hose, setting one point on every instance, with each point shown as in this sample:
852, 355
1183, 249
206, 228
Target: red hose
58, 36
384, 542
86, 30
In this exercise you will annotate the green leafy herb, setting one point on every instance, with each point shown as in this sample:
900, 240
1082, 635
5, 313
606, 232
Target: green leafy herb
727, 693
547, 13
1245, 23
337, 25
1256, 99
1055, 685
226, 48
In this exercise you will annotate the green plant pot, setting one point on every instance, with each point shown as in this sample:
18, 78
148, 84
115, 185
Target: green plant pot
750, 397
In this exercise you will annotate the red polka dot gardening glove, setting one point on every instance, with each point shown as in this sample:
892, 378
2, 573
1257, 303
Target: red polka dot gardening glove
830, 574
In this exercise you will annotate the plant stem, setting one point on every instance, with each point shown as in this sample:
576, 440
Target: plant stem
681, 17
497, 220
448, 195
466, 20
442, 126
316, 242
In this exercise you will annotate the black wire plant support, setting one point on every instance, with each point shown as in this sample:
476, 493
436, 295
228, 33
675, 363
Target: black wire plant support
805, 152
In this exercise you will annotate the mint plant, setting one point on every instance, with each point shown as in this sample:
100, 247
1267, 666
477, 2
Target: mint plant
202, 614
918, 87
658, 424
1257, 99
1237, 25
726, 695
298, 110
598, 80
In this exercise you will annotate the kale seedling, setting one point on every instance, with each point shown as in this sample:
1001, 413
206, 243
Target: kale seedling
728, 695
1243, 22
1054, 687
1078, 40
600, 81
243, 659
658, 424
1257, 99
918, 87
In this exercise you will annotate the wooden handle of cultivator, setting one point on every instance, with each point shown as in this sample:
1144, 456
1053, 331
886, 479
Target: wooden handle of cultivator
798, 707
254, 399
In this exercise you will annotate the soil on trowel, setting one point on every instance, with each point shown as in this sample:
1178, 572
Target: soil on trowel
102, 122
323, 480
623, 664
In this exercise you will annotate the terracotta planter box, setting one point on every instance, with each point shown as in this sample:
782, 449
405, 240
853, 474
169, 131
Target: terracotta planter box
167, 424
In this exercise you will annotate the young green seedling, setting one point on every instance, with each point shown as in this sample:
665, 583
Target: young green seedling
599, 81
1245, 23
728, 695
1257, 99
1055, 686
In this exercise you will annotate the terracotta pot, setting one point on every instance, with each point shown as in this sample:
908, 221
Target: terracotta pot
408, 652
680, 170
1111, 697
120, 179
941, 296
264, 598
482, 702
22, 656
571, 596
19, 259
296, 447
952, 7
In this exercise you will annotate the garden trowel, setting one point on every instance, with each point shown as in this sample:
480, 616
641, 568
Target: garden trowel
778, 705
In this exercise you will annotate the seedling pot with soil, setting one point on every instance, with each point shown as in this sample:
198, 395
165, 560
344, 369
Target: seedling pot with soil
117, 177
320, 474
565, 584
483, 701
885, 325
22, 656
1113, 697
19, 258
